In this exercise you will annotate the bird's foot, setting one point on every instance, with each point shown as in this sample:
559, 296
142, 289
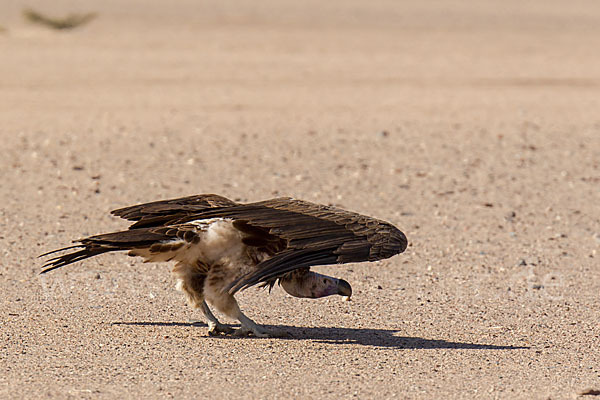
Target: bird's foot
246, 332
215, 329
250, 327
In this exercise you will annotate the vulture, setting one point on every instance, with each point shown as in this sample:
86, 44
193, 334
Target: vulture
220, 247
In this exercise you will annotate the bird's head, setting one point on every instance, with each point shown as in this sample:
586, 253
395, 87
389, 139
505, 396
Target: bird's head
308, 284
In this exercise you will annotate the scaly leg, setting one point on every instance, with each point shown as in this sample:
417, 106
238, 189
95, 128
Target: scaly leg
214, 326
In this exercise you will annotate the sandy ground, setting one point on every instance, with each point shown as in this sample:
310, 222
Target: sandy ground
473, 126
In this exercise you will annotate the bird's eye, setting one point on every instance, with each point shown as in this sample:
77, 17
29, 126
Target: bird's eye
325, 281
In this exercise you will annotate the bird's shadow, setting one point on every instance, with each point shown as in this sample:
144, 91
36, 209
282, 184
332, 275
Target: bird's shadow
366, 337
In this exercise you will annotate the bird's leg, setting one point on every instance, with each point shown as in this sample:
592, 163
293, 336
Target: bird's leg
190, 280
214, 326
227, 304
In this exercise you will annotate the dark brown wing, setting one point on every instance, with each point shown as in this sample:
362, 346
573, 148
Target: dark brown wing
295, 234
163, 212
313, 234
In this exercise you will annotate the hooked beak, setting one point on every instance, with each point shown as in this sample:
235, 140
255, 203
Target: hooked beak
344, 288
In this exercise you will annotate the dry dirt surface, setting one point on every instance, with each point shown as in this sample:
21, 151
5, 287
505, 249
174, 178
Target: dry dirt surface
474, 126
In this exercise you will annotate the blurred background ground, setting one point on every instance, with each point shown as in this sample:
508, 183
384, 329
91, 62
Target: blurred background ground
472, 125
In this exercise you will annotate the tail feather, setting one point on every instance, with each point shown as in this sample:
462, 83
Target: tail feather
94, 245
76, 246
69, 258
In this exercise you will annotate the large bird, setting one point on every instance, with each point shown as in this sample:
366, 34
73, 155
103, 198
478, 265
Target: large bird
221, 246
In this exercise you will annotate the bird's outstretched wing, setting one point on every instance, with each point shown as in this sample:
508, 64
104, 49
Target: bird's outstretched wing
292, 233
312, 234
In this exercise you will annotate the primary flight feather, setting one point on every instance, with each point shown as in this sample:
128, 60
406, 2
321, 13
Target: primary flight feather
221, 246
